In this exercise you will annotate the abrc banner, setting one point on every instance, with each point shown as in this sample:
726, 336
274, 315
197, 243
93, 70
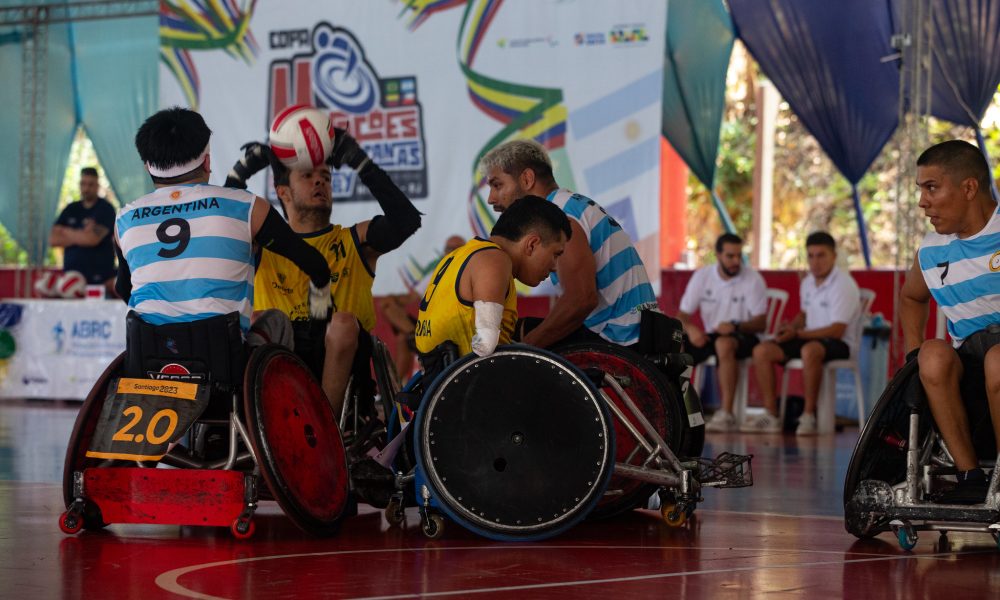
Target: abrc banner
427, 87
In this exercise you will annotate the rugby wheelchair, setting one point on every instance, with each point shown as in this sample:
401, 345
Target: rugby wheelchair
524, 443
900, 464
236, 427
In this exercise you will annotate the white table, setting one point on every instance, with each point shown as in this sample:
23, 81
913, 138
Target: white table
63, 346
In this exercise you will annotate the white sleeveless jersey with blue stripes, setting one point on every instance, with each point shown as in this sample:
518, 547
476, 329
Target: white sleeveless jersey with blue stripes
623, 287
963, 276
189, 250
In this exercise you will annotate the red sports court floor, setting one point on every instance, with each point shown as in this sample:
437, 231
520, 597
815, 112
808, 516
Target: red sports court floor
784, 537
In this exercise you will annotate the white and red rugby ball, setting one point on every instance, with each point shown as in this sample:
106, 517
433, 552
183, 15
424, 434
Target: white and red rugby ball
302, 137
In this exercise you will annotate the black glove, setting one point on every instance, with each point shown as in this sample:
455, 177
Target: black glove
346, 151
256, 157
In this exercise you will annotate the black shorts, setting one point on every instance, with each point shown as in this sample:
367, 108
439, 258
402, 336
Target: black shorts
744, 346
836, 349
972, 388
581, 335
310, 346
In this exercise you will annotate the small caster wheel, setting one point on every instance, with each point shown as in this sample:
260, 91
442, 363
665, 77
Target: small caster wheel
905, 534
394, 512
674, 515
433, 526
70, 522
243, 528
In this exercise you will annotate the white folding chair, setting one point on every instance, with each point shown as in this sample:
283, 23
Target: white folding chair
826, 404
776, 301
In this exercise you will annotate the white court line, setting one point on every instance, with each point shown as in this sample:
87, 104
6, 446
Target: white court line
168, 580
770, 514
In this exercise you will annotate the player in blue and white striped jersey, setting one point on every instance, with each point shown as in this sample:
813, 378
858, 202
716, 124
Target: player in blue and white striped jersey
604, 286
958, 264
185, 251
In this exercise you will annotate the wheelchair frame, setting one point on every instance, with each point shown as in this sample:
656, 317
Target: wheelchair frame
680, 481
98, 492
905, 507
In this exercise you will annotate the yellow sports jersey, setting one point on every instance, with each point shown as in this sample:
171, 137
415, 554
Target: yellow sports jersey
280, 284
445, 315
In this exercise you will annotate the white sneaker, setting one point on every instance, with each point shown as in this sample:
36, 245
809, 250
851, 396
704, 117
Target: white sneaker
765, 423
807, 425
721, 421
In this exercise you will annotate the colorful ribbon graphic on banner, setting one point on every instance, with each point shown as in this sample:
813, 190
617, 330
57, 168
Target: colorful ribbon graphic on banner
525, 111
204, 25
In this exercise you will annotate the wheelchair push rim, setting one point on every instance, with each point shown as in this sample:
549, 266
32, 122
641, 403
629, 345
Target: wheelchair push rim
295, 438
658, 400
512, 461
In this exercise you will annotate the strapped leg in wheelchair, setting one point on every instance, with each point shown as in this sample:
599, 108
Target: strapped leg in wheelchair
903, 478
177, 389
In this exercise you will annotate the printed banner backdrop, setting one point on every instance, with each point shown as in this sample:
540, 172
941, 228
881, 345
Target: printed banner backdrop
62, 347
427, 87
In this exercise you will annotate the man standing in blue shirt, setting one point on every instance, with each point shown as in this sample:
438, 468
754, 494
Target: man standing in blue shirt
83, 229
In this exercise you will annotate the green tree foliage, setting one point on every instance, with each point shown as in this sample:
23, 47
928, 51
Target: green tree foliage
809, 192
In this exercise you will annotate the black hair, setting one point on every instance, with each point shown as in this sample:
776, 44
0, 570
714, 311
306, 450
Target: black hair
88, 171
821, 238
727, 238
532, 214
961, 159
173, 137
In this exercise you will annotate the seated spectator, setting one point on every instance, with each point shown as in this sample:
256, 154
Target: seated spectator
827, 328
732, 300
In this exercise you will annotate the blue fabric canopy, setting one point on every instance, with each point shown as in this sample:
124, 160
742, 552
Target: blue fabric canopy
699, 43
825, 59
966, 48
101, 74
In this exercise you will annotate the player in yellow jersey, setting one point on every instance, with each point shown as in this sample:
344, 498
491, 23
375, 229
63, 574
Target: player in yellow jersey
332, 350
470, 299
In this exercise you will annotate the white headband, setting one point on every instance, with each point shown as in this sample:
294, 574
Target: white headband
179, 169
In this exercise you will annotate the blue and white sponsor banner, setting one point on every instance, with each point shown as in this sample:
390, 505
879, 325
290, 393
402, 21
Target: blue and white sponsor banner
62, 347
427, 87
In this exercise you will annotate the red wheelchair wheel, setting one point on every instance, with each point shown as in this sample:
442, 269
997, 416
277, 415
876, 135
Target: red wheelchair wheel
658, 400
296, 439
83, 433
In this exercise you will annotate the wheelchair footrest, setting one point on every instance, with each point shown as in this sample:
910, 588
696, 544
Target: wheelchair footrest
166, 496
727, 470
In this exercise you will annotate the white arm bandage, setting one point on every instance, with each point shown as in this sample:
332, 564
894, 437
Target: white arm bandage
489, 315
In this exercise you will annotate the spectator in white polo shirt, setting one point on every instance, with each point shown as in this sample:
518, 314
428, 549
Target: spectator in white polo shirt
732, 300
828, 327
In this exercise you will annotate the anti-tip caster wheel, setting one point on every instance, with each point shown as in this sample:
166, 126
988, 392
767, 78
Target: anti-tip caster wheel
243, 528
394, 512
70, 522
674, 515
905, 534
433, 526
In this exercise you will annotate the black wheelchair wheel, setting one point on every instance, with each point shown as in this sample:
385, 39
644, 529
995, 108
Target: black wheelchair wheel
295, 439
658, 399
880, 453
517, 445
82, 436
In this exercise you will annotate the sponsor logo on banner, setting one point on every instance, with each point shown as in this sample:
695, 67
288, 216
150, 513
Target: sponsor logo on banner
383, 114
86, 337
593, 38
628, 35
528, 42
